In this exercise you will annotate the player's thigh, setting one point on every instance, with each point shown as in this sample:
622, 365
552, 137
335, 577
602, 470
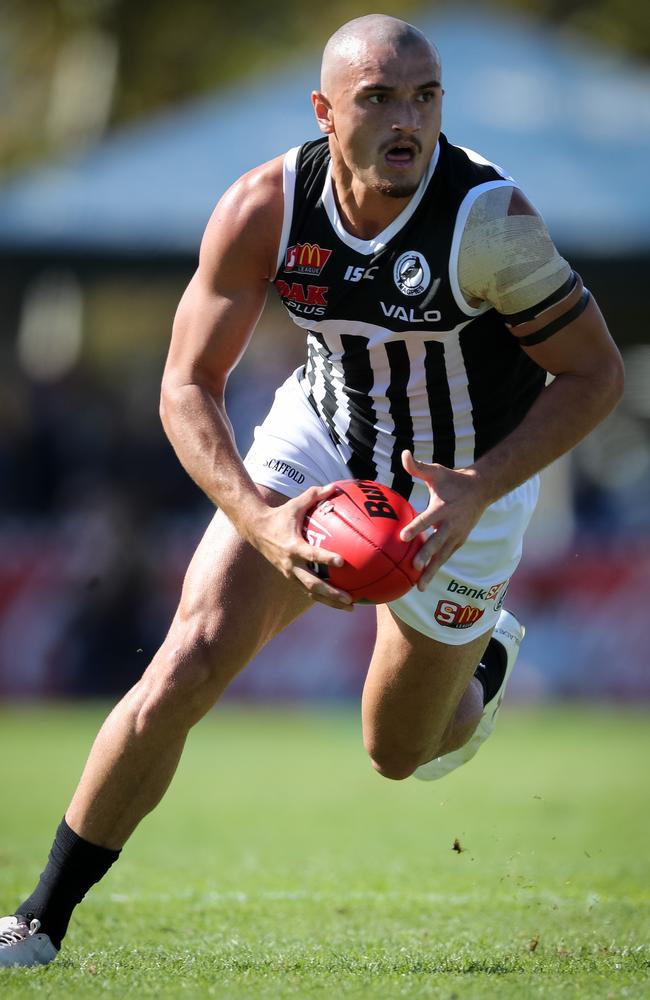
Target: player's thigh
233, 600
413, 688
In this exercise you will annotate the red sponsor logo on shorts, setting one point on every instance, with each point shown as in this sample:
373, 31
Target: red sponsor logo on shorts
495, 592
453, 615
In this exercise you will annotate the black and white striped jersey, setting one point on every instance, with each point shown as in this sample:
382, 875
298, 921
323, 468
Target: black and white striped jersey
396, 358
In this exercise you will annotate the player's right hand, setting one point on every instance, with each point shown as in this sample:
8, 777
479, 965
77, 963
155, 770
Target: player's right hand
277, 534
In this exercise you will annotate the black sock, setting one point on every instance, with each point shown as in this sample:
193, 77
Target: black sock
491, 670
73, 866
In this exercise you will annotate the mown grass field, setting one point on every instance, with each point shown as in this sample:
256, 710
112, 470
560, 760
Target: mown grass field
280, 865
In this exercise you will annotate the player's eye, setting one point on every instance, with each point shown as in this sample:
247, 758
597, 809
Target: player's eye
378, 98
425, 96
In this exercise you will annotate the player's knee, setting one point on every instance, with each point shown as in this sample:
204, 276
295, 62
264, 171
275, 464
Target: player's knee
395, 764
190, 670
184, 680
395, 769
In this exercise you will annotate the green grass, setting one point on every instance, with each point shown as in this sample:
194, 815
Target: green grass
280, 865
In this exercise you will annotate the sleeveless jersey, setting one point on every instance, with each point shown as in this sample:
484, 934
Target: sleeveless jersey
396, 358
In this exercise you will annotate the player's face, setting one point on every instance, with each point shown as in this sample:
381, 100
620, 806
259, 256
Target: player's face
385, 117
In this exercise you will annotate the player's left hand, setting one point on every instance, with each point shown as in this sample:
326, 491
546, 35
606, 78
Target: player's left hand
455, 506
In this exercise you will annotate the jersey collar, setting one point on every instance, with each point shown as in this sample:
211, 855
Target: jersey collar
378, 242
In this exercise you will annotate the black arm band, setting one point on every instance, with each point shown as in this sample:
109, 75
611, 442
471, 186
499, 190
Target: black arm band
557, 324
514, 319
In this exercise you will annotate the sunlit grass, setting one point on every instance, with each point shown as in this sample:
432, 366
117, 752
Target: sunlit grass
281, 865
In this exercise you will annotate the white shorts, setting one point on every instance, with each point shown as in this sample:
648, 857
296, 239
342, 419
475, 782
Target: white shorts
292, 451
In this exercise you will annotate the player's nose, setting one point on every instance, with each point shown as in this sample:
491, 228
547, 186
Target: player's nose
407, 119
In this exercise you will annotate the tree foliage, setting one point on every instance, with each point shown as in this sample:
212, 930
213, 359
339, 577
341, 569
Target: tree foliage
166, 52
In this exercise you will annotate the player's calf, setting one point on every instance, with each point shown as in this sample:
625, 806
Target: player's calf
400, 760
492, 674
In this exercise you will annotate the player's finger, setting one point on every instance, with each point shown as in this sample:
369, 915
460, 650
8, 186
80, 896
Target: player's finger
423, 522
313, 554
420, 523
320, 590
312, 496
434, 543
415, 468
335, 603
435, 563
409, 462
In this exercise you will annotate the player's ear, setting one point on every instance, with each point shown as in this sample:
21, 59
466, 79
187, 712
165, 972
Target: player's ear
323, 112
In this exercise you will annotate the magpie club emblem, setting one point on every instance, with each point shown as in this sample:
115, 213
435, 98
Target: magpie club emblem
411, 273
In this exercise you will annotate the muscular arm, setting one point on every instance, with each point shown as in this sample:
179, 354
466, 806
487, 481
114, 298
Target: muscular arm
588, 384
506, 256
508, 259
213, 324
525, 270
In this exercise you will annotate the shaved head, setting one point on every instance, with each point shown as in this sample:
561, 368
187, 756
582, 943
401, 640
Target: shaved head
380, 105
353, 41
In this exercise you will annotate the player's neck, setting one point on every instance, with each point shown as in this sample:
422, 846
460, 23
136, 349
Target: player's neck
364, 213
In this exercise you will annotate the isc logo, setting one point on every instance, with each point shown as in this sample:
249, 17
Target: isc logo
357, 273
454, 615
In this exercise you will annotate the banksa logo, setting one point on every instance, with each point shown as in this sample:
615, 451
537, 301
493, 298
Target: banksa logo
496, 592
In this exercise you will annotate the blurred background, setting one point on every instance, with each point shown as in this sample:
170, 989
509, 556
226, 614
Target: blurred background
122, 125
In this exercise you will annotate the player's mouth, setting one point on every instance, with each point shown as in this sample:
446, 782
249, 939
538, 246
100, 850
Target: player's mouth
401, 154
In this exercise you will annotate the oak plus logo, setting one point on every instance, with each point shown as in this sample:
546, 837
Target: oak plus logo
306, 258
411, 273
308, 301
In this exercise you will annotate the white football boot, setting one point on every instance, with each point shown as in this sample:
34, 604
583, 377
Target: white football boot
509, 633
21, 944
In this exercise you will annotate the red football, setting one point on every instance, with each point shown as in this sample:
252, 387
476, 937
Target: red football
361, 521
